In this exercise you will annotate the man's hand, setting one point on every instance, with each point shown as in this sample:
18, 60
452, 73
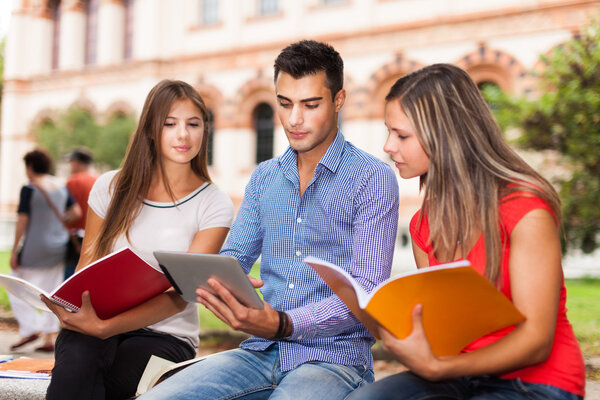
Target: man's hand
224, 305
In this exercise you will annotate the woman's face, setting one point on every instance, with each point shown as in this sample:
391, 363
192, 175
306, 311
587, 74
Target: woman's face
402, 143
182, 133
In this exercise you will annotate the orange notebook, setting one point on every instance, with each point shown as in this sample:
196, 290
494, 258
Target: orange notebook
459, 305
116, 282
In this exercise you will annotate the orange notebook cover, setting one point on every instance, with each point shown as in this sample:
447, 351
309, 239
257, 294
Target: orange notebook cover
459, 305
35, 365
116, 282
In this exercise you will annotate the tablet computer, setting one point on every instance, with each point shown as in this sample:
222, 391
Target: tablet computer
187, 271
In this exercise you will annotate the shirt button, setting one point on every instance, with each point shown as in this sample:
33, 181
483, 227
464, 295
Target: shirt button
291, 285
299, 220
299, 337
298, 253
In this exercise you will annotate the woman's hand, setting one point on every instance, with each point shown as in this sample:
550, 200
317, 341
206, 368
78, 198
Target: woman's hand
84, 321
414, 351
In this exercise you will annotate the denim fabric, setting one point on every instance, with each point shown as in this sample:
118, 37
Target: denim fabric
250, 375
407, 386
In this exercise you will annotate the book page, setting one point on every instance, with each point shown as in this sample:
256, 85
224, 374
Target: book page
346, 288
159, 369
154, 366
25, 291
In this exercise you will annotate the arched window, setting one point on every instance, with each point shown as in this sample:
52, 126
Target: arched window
54, 7
211, 132
91, 31
128, 29
264, 126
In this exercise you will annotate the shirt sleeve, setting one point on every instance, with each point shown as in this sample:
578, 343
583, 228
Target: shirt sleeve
25, 200
218, 212
245, 238
374, 233
100, 195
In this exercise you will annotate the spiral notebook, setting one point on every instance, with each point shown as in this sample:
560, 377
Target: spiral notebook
116, 282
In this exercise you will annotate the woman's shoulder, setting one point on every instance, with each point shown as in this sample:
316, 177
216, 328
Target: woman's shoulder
215, 195
514, 206
105, 179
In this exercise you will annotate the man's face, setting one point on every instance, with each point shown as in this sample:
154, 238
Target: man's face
307, 112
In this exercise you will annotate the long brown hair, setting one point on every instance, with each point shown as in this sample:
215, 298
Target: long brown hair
142, 159
471, 166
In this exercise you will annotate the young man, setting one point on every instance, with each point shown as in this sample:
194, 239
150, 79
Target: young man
79, 184
323, 197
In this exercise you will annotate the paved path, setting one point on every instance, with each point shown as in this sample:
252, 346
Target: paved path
28, 389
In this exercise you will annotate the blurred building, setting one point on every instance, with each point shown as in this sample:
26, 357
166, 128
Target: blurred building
105, 55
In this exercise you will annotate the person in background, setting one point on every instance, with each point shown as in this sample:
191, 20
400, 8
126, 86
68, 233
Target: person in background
323, 197
484, 203
162, 198
38, 252
79, 184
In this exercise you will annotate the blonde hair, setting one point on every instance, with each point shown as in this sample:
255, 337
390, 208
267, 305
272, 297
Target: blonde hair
142, 159
471, 166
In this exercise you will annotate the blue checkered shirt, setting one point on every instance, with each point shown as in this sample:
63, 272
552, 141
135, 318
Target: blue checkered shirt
348, 215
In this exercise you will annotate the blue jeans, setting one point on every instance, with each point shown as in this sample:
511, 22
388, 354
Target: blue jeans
246, 374
408, 386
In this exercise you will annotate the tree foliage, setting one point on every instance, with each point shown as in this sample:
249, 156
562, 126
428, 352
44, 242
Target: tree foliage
565, 118
77, 127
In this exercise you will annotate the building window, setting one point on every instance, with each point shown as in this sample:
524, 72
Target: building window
210, 12
264, 126
91, 31
268, 7
55, 14
211, 133
128, 30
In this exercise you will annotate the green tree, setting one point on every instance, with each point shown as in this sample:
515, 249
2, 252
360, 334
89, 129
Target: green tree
565, 118
77, 127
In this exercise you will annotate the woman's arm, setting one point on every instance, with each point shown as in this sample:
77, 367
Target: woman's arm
421, 258
535, 277
150, 312
22, 220
72, 213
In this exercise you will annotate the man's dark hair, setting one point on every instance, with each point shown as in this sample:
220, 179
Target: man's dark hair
39, 160
82, 155
309, 57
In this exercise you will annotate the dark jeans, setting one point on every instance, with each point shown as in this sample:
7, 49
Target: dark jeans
90, 368
407, 386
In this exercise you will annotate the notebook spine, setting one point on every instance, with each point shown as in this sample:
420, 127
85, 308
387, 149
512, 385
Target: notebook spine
65, 304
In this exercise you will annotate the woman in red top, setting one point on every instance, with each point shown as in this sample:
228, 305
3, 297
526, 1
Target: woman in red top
484, 203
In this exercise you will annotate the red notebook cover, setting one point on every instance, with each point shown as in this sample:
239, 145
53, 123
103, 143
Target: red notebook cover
116, 283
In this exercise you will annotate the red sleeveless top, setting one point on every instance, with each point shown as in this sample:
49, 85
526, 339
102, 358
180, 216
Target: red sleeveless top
564, 368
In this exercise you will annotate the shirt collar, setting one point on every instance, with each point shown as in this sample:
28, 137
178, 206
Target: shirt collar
330, 160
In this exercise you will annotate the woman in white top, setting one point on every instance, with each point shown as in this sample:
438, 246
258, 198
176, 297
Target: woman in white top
161, 199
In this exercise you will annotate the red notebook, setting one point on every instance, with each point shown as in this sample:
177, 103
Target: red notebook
116, 282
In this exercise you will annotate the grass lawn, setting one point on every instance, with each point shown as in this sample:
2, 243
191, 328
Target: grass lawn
583, 303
